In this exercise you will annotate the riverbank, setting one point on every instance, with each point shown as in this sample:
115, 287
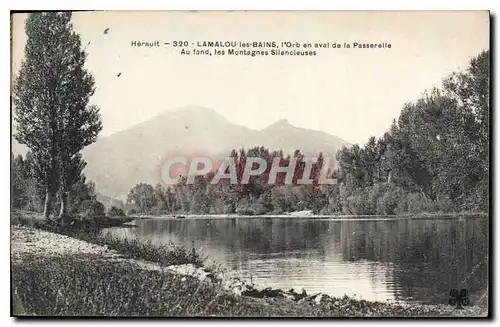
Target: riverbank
107, 282
309, 215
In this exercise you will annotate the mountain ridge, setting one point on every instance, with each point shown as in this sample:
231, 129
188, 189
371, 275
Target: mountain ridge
119, 161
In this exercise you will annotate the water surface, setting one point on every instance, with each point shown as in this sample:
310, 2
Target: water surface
384, 260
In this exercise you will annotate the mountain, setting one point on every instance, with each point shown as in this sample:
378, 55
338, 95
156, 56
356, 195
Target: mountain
283, 135
109, 202
119, 161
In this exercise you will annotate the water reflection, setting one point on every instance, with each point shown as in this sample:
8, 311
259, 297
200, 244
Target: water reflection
375, 260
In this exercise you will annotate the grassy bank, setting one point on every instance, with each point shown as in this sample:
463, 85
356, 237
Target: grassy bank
165, 253
71, 286
75, 286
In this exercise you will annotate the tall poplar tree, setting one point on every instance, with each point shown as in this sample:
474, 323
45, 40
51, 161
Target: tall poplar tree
51, 100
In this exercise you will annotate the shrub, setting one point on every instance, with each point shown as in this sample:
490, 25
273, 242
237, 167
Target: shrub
258, 209
393, 201
163, 253
92, 209
116, 212
443, 204
418, 203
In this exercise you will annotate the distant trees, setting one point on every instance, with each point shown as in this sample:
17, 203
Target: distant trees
253, 198
143, 197
52, 115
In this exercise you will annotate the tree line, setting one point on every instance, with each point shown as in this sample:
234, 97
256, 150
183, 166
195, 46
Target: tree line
434, 158
254, 197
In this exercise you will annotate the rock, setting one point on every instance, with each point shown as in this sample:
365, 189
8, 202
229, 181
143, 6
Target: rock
308, 298
193, 271
318, 298
237, 290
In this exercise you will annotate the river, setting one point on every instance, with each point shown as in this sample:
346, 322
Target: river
398, 259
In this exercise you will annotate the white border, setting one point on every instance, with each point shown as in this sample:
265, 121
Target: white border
186, 5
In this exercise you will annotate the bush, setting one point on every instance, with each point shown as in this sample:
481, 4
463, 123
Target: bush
163, 253
258, 209
116, 212
389, 199
92, 209
243, 207
418, 203
393, 201
443, 204
244, 211
359, 204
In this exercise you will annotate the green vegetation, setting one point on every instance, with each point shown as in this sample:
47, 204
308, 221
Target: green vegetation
116, 212
27, 195
165, 253
435, 158
73, 286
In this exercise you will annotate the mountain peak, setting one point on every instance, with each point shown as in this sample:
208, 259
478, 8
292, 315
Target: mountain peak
194, 109
280, 124
194, 112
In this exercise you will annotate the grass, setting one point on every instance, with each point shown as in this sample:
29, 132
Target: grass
69, 286
164, 254
73, 286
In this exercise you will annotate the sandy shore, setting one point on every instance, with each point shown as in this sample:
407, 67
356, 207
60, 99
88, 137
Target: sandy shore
26, 241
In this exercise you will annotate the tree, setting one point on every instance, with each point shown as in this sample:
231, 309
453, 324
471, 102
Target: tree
18, 182
435, 154
161, 199
80, 192
143, 197
26, 192
51, 96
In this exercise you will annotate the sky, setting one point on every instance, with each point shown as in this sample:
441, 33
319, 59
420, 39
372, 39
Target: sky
353, 94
